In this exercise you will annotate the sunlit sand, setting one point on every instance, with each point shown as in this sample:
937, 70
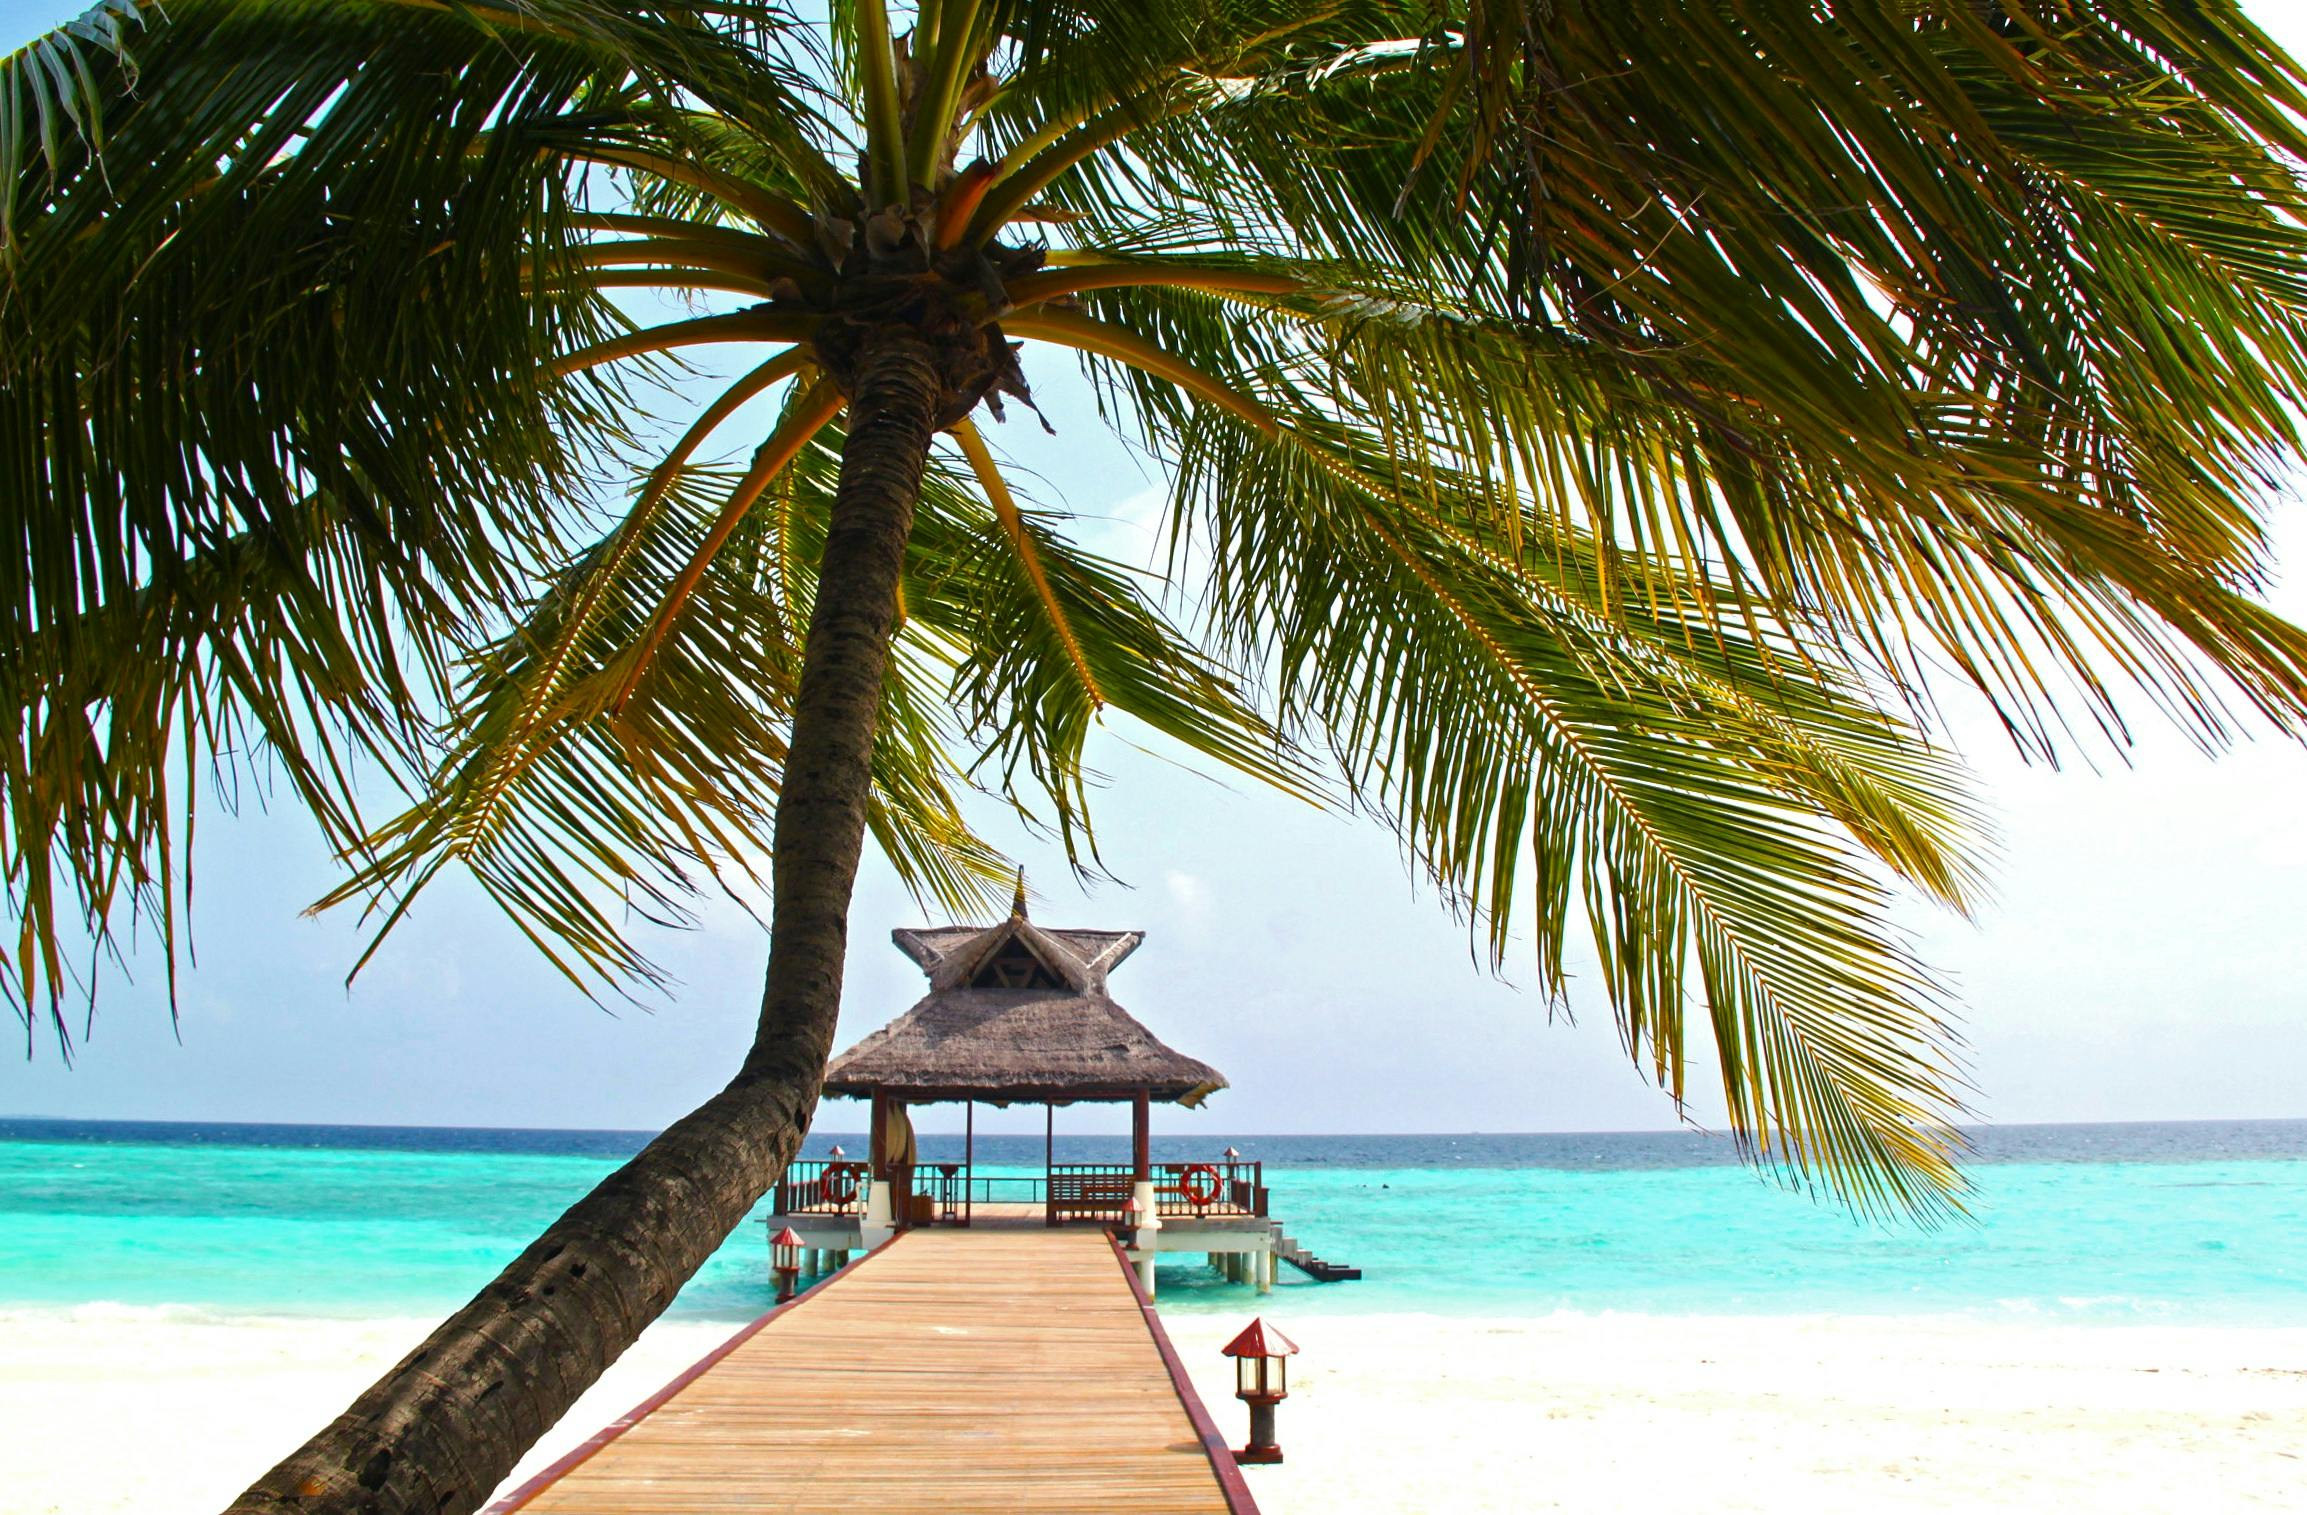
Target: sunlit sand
116, 1410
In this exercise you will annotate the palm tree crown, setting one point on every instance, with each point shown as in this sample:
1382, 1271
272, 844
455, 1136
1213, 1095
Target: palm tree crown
1591, 427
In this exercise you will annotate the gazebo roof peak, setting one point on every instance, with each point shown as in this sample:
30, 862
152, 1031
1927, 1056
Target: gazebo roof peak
967, 957
1018, 1011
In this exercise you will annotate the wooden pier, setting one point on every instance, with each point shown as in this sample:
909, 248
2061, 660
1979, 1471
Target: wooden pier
1002, 1369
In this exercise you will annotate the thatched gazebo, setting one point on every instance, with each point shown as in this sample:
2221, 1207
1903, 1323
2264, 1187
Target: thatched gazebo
1017, 1014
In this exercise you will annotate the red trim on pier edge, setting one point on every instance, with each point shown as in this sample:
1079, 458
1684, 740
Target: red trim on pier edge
564, 1465
1230, 1480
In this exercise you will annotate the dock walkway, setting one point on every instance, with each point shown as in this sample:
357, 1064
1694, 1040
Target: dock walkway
987, 1371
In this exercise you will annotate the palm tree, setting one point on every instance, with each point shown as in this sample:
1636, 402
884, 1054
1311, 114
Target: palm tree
1594, 432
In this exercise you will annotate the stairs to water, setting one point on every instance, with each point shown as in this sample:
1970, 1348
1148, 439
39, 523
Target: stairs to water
1287, 1249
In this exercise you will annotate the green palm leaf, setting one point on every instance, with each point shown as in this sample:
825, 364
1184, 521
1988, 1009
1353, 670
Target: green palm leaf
1706, 807
1826, 373
567, 804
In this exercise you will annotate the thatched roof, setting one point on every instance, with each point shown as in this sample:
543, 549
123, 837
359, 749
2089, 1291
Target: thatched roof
1016, 1012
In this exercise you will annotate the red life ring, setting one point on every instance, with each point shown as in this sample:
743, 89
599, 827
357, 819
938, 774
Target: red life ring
840, 1185
1199, 1184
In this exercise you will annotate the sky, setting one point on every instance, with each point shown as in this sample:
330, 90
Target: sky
2144, 956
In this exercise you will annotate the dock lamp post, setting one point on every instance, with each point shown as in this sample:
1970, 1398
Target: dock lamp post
785, 1260
1261, 1357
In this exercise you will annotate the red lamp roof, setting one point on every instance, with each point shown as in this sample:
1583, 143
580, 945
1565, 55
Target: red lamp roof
1260, 1340
785, 1238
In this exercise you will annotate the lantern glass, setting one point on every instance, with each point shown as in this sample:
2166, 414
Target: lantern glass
1260, 1376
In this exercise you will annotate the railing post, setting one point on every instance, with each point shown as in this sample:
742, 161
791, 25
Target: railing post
1149, 1227
878, 1225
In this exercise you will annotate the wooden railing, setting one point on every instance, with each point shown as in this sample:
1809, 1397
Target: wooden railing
947, 1192
1090, 1191
1101, 1191
1232, 1188
813, 1186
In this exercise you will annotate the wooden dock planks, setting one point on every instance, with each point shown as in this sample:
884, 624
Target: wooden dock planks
980, 1371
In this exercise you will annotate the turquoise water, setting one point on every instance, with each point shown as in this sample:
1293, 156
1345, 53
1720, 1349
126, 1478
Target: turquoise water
2131, 1224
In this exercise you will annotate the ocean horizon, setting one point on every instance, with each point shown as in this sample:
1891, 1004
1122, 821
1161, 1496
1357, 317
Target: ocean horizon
2146, 1222
28, 1127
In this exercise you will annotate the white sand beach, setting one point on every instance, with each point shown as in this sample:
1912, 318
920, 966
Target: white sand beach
109, 1408
1642, 1413
106, 1409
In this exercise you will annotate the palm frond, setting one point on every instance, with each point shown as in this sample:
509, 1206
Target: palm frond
581, 811
574, 805
1046, 638
288, 295
276, 652
1706, 801
1904, 348
1712, 808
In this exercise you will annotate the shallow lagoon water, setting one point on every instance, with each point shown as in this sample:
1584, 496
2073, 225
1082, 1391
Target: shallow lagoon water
2178, 1223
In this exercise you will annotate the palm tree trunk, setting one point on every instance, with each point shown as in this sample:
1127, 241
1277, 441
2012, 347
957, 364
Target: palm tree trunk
440, 1431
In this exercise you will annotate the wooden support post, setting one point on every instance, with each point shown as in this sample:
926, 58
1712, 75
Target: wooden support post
1142, 1191
892, 1203
968, 1160
881, 1217
1049, 1160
